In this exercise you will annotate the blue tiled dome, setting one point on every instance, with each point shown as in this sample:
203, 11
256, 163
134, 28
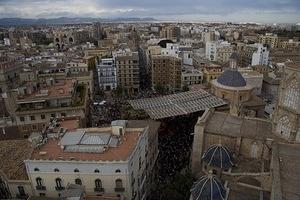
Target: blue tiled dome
218, 156
208, 187
232, 78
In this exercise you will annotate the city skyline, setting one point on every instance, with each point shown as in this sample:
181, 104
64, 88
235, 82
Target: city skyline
269, 11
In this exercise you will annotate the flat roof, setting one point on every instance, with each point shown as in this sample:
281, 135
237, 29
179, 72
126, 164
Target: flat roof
121, 153
177, 104
62, 88
12, 156
289, 157
226, 124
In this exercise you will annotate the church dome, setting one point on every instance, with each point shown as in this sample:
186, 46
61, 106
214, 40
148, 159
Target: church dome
163, 43
208, 187
218, 156
232, 78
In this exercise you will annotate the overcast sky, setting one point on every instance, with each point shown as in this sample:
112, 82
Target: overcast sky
265, 11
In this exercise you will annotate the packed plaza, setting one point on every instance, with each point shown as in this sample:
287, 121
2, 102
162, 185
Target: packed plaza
116, 111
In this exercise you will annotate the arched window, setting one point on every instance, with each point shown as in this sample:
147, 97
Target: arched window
292, 95
36, 169
21, 191
97, 171
76, 170
78, 181
119, 183
38, 181
283, 127
298, 135
58, 182
56, 170
254, 150
118, 171
98, 183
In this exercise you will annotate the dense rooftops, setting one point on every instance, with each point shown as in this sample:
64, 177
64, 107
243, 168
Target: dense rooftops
12, 155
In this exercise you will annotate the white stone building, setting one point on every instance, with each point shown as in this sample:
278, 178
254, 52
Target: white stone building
260, 56
111, 161
107, 74
218, 51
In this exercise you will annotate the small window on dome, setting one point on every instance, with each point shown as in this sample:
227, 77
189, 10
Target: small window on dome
118, 171
97, 171
56, 170
76, 170
36, 169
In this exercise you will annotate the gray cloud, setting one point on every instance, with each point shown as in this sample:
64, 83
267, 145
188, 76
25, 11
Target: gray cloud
207, 10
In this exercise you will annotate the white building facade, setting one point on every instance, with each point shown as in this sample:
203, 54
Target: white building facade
260, 56
107, 74
113, 177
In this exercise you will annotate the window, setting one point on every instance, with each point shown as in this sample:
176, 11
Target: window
53, 115
118, 171
56, 170
58, 182
283, 127
76, 170
32, 118
38, 181
119, 183
140, 162
97, 171
21, 191
36, 169
43, 117
292, 95
98, 183
22, 119
78, 181
42, 194
34, 127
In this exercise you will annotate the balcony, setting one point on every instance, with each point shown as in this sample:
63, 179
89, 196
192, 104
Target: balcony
40, 187
59, 188
120, 189
98, 189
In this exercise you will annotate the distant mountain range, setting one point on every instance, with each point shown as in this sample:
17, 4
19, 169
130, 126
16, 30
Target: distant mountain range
65, 20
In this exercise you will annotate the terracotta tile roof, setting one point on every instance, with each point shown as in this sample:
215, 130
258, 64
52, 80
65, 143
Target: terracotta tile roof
62, 88
12, 156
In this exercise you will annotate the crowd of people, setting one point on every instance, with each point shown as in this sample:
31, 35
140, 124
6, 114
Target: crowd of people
175, 142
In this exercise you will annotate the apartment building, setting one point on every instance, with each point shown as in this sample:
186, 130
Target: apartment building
191, 76
37, 104
254, 54
211, 72
128, 73
166, 71
114, 161
269, 39
170, 32
9, 73
218, 51
80, 70
107, 74
223, 53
